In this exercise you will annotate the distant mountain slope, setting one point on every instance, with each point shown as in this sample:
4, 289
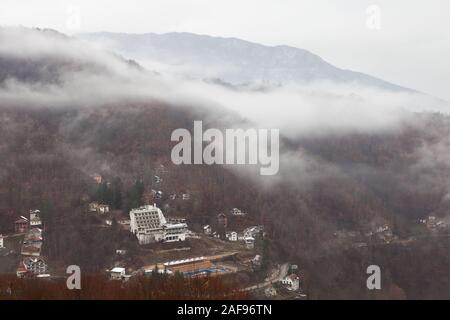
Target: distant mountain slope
232, 60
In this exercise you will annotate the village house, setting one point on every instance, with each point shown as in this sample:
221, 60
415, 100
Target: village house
292, 282
35, 218
237, 212
93, 206
31, 249
121, 252
207, 229
185, 196
103, 208
117, 273
34, 235
249, 242
21, 225
257, 261
35, 265
2, 245
149, 225
232, 236
252, 232
21, 271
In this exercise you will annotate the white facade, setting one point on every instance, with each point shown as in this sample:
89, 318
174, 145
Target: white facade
174, 232
207, 229
232, 236
35, 265
2, 245
249, 242
237, 212
149, 225
117, 273
35, 218
103, 208
292, 282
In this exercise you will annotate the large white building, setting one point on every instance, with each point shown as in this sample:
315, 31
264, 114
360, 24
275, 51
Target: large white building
149, 225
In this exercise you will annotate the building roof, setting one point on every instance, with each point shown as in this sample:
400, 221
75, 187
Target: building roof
177, 262
118, 270
22, 219
292, 277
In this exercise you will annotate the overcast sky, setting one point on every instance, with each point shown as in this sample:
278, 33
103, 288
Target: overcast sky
411, 48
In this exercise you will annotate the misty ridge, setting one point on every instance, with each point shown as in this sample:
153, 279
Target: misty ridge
44, 68
354, 154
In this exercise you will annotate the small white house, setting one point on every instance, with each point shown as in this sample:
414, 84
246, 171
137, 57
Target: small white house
117, 273
233, 236
207, 229
35, 218
185, 196
121, 252
292, 282
93, 206
249, 242
1, 242
103, 208
237, 212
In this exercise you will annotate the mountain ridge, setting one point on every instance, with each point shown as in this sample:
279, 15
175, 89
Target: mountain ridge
235, 60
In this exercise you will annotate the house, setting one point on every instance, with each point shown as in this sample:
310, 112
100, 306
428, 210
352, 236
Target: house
35, 265
93, 206
149, 225
108, 222
185, 196
249, 242
34, 235
237, 212
21, 271
35, 218
121, 252
292, 282
2, 245
21, 225
117, 273
252, 232
103, 208
257, 261
270, 292
232, 236
207, 229
157, 179
31, 249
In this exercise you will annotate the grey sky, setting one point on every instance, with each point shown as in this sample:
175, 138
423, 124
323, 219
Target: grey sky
411, 48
